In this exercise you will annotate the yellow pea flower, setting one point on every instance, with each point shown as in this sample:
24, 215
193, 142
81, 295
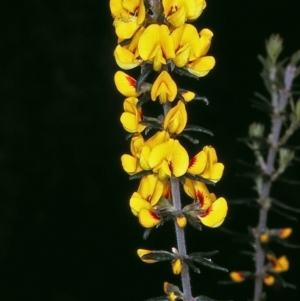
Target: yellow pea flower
125, 84
176, 119
237, 277
215, 214
142, 252
127, 57
132, 116
279, 265
164, 88
187, 44
177, 266
169, 159
156, 45
206, 165
179, 11
128, 16
198, 192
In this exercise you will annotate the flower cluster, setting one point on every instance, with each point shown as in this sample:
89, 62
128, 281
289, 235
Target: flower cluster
163, 46
154, 35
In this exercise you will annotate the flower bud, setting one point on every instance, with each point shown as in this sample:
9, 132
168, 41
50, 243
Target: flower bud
274, 48
256, 130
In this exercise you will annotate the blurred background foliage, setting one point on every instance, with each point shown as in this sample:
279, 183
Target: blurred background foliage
66, 230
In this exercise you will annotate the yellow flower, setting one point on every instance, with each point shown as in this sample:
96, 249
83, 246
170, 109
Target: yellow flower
164, 88
237, 276
285, 232
187, 44
198, 192
179, 11
279, 265
206, 165
126, 84
211, 211
142, 202
215, 214
176, 119
142, 252
269, 280
202, 64
177, 266
169, 159
127, 57
156, 45
132, 116
129, 16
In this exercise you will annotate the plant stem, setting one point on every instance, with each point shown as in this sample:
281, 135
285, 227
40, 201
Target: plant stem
180, 236
279, 101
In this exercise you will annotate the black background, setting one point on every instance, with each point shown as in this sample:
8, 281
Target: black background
66, 230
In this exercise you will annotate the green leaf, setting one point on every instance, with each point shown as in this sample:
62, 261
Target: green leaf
152, 124
190, 263
161, 298
194, 223
140, 174
145, 71
208, 263
159, 256
196, 128
146, 233
189, 138
285, 206
205, 254
143, 99
184, 72
287, 216
204, 298
198, 178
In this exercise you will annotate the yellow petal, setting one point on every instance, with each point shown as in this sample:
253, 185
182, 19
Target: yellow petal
286, 232
130, 164
126, 84
142, 252
137, 202
181, 221
126, 59
215, 213
164, 87
237, 276
198, 163
201, 66
269, 280
176, 119
148, 218
177, 266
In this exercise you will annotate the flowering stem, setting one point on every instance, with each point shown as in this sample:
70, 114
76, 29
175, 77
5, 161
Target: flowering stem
279, 102
180, 236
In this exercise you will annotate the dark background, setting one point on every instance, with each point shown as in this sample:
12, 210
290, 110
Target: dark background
66, 230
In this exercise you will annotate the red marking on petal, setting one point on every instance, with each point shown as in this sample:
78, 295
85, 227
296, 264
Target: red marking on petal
193, 162
200, 198
208, 211
170, 166
131, 81
154, 215
167, 194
